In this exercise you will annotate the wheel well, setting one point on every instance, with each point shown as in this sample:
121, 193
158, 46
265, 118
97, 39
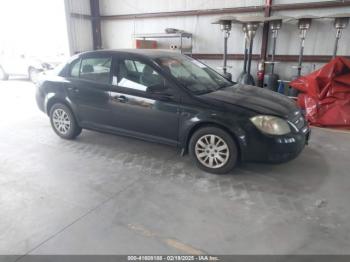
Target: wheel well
53, 101
206, 124
56, 100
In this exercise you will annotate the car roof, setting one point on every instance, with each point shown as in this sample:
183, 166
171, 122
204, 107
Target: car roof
149, 53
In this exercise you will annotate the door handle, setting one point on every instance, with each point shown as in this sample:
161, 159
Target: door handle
168, 96
163, 96
121, 99
73, 89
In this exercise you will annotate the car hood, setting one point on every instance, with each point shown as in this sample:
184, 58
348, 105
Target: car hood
254, 98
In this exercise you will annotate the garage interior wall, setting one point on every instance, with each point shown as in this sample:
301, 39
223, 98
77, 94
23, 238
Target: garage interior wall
79, 29
207, 38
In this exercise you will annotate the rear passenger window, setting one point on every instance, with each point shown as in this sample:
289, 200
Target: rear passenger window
96, 69
74, 68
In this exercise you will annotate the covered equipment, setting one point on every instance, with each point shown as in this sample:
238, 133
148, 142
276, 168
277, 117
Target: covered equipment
325, 94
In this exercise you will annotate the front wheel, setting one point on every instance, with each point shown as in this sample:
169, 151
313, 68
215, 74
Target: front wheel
63, 121
213, 150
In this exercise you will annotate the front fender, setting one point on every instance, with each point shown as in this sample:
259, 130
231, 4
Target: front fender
226, 121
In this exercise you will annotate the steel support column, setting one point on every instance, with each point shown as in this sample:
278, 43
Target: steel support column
264, 42
265, 35
96, 24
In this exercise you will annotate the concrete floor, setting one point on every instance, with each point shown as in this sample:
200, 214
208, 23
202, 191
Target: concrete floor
104, 194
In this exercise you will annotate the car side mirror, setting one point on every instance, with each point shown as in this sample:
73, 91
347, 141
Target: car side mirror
160, 92
228, 76
156, 89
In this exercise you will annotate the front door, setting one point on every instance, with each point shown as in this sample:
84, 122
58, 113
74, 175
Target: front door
139, 112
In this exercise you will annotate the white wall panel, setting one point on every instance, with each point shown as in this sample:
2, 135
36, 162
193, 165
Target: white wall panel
80, 6
81, 35
79, 30
207, 38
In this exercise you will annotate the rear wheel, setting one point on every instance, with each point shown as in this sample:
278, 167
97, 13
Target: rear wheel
213, 150
63, 121
3, 75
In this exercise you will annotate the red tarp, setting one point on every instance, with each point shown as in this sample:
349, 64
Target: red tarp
326, 94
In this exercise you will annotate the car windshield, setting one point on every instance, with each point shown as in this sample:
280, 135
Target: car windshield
196, 76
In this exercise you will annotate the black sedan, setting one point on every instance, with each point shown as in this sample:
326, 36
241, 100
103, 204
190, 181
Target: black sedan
173, 99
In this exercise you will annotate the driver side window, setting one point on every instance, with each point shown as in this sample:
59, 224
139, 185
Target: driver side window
136, 75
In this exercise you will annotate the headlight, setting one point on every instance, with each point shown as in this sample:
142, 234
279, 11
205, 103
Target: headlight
271, 125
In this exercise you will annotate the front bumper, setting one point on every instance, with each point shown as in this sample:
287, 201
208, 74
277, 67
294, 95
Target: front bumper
275, 149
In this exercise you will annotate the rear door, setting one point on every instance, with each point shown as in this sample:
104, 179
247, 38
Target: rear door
88, 87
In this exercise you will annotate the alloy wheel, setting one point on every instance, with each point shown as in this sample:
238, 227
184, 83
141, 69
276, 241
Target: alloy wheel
212, 151
61, 121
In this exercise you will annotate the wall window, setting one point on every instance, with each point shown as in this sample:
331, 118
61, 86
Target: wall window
137, 75
96, 69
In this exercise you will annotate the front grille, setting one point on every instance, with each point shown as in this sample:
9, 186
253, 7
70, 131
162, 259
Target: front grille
298, 120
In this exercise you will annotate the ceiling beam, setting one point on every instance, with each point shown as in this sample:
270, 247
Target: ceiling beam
311, 5
234, 10
279, 58
80, 16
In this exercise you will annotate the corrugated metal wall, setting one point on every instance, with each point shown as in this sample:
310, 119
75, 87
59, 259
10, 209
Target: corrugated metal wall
207, 37
79, 30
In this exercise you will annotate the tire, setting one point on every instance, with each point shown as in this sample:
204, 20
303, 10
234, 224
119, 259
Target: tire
3, 75
63, 122
223, 152
33, 74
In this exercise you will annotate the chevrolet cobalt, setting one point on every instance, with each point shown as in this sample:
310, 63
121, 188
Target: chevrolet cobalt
176, 100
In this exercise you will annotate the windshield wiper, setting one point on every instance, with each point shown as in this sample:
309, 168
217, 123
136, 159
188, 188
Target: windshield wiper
204, 91
224, 86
